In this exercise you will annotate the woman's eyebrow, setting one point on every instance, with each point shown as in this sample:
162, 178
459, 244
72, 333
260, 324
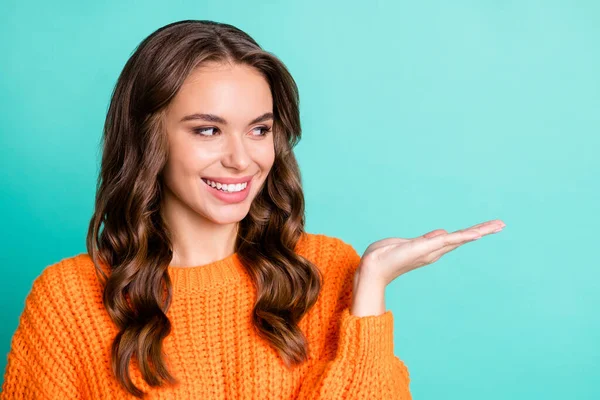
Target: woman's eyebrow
220, 120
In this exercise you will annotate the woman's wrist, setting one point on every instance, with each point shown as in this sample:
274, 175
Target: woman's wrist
368, 295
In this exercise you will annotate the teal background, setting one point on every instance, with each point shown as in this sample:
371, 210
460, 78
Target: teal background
416, 116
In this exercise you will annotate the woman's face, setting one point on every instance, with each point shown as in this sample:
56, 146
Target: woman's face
221, 149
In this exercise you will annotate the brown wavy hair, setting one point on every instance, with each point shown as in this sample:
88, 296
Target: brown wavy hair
128, 234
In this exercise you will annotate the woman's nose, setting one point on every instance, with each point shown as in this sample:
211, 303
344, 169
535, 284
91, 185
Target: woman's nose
237, 155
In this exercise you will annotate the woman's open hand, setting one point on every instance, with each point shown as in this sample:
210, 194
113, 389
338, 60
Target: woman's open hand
389, 258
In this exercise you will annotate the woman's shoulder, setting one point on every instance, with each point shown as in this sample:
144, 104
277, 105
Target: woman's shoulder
60, 296
65, 281
327, 250
322, 243
68, 270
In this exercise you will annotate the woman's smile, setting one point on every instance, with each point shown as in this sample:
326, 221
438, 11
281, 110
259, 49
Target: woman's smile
229, 192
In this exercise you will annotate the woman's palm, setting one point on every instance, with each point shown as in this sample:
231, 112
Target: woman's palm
389, 258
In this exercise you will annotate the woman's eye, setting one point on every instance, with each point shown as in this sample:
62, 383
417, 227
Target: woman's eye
200, 131
264, 130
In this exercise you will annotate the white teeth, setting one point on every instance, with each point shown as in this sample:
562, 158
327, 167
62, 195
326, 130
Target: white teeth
227, 188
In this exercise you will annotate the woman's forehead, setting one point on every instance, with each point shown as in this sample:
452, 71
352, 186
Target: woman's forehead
236, 93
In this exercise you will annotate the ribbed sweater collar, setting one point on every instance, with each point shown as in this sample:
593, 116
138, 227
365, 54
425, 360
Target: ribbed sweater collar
197, 278
201, 277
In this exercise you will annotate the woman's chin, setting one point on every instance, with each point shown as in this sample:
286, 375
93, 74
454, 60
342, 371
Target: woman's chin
226, 217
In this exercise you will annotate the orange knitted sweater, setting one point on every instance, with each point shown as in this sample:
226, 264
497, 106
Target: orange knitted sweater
61, 348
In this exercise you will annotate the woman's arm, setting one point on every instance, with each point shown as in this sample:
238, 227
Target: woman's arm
360, 364
42, 360
364, 366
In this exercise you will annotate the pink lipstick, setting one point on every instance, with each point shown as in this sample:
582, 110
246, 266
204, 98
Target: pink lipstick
224, 188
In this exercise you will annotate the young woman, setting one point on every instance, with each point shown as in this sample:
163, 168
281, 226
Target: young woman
200, 281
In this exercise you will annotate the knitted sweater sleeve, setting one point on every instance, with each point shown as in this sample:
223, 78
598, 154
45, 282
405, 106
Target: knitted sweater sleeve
358, 360
41, 358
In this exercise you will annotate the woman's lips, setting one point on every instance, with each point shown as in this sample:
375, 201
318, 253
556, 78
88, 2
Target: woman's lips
226, 180
229, 197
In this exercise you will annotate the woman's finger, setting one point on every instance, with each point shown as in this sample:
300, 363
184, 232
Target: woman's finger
433, 257
494, 222
437, 232
436, 243
446, 249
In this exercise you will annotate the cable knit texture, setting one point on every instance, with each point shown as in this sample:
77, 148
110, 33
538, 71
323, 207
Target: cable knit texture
61, 348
